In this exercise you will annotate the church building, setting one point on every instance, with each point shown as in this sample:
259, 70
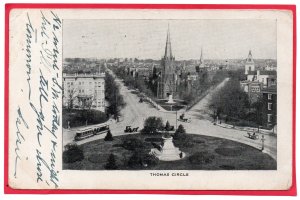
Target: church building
249, 65
167, 82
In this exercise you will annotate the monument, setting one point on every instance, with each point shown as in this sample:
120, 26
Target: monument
168, 151
171, 101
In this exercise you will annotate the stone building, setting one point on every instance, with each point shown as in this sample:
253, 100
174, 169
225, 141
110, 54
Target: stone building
167, 79
84, 91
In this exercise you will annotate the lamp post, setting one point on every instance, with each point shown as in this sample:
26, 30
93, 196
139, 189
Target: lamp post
176, 121
263, 142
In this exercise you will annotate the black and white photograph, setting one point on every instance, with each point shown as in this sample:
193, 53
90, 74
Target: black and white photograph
169, 94
151, 98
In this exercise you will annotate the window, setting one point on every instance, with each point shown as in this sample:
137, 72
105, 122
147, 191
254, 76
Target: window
79, 83
269, 96
255, 89
269, 118
269, 106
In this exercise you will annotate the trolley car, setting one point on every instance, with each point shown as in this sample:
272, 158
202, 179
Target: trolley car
90, 131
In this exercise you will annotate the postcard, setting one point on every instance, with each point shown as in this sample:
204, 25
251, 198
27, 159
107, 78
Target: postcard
148, 98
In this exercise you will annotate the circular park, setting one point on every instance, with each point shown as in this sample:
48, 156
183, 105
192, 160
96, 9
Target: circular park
133, 152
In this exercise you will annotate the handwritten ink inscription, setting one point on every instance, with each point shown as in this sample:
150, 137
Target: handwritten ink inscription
44, 95
20, 121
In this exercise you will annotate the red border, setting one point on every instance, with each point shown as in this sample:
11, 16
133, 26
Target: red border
8, 190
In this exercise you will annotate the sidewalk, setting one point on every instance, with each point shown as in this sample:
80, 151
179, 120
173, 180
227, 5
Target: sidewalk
246, 129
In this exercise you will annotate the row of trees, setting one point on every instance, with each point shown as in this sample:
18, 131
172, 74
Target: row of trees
113, 96
230, 100
137, 82
233, 105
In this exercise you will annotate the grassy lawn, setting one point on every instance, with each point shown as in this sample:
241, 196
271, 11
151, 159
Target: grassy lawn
78, 117
223, 155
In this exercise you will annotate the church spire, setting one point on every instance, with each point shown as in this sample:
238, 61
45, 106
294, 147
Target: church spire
201, 57
168, 49
250, 58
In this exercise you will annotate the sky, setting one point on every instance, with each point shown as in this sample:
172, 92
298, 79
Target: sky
219, 39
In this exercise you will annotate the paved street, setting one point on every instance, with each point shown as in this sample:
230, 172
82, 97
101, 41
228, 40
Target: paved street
135, 113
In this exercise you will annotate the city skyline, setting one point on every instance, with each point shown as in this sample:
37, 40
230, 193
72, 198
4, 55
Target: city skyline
224, 39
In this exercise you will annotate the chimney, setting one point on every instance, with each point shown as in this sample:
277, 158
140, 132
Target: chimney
258, 74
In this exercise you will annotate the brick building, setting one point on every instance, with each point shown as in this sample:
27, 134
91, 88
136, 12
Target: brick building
269, 110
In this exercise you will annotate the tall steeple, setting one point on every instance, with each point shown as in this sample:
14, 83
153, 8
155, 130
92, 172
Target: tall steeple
201, 58
249, 65
167, 85
250, 58
168, 49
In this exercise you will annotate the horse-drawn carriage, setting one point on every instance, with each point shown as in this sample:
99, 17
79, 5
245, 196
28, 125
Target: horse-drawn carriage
253, 135
128, 129
182, 118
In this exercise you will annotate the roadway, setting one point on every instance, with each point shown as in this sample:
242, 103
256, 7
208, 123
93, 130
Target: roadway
135, 113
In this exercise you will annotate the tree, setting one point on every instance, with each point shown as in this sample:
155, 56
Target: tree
152, 125
258, 109
71, 97
167, 127
180, 132
135, 161
230, 101
90, 102
108, 136
72, 154
111, 162
113, 96
141, 159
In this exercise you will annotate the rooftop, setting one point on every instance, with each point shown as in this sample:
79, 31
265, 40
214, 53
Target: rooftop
265, 72
271, 89
76, 75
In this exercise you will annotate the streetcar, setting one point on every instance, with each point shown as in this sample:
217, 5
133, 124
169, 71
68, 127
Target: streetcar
90, 131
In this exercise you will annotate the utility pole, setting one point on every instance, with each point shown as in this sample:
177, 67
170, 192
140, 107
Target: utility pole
157, 89
263, 142
176, 120
116, 104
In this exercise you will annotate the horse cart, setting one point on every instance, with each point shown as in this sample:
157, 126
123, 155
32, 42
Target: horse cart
182, 118
253, 136
128, 129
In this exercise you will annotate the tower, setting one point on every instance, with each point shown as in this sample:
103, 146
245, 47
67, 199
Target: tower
249, 66
167, 84
201, 63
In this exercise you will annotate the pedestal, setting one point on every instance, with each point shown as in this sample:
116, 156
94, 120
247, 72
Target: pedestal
168, 152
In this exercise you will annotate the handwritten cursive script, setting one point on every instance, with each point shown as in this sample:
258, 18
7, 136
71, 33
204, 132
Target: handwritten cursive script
20, 138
